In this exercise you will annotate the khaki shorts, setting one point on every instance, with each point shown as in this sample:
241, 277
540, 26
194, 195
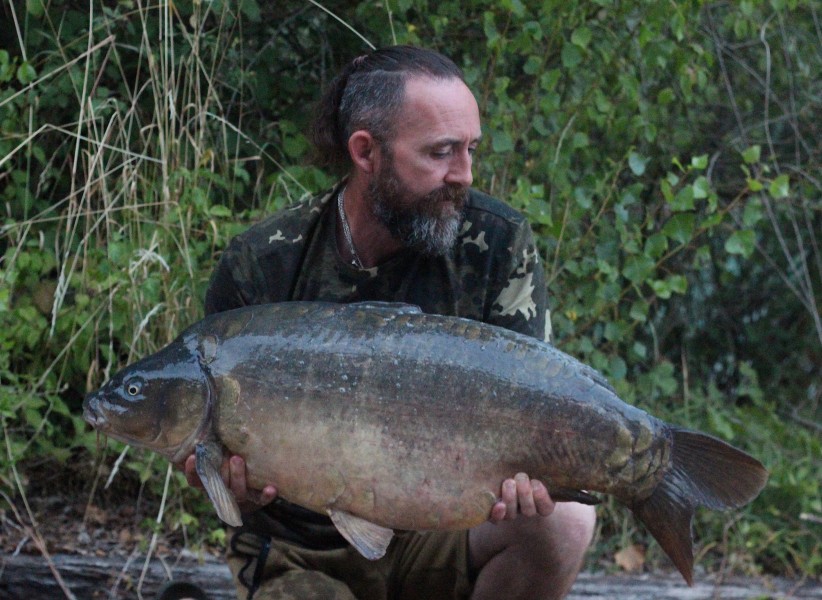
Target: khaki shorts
432, 565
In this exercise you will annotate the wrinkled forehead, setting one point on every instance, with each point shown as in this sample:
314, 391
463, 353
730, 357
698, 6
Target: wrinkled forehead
439, 108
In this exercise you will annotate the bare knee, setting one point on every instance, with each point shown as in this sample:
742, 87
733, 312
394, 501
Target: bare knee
546, 552
570, 531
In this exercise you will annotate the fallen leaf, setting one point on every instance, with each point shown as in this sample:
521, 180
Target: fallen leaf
96, 515
630, 559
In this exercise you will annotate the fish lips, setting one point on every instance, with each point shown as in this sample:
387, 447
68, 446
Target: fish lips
92, 413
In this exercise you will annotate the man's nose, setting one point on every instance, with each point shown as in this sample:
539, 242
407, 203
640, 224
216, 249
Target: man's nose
459, 171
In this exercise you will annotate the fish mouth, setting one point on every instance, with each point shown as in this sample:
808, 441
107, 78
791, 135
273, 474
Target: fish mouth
92, 414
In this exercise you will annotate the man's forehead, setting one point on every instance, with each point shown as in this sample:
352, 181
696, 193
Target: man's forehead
440, 107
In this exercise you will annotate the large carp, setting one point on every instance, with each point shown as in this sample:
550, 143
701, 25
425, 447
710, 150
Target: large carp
385, 417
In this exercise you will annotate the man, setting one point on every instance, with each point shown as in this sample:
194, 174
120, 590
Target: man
403, 226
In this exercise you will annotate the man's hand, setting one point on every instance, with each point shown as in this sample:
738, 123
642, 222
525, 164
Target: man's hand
521, 496
233, 473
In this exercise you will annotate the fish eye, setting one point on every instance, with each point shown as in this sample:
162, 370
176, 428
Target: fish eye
133, 388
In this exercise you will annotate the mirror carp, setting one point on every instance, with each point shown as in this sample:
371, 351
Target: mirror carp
384, 418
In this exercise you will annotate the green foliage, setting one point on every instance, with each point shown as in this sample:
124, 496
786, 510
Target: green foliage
667, 155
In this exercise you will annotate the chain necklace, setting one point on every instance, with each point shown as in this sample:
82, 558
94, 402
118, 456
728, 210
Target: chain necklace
355, 258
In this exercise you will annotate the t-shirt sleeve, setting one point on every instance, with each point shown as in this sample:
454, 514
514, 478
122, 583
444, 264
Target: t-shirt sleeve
232, 280
521, 302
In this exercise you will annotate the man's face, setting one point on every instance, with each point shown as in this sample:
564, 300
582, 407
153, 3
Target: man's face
422, 177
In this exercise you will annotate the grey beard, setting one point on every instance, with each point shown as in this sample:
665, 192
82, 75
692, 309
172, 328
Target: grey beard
428, 224
427, 234
432, 236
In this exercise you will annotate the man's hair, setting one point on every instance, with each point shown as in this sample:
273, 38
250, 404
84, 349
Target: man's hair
368, 94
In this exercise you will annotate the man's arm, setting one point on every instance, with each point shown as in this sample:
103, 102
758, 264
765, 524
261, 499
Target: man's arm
520, 297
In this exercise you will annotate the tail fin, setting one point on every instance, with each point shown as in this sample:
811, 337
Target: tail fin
705, 472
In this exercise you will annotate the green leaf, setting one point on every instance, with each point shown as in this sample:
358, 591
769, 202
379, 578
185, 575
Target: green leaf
532, 65
26, 73
678, 283
662, 288
656, 245
699, 162
665, 96
617, 369
741, 243
502, 142
489, 27
6, 66
583, 199
581, 37
755, 185
580, 140
752, 213
701, 188
35, 8
679, 227
667, 190
639, 311
684, 199
571, 56
219, 210
250, 9
675, 284
637, 163
720, 424
638, 268
515, 6
751, 155
780, 187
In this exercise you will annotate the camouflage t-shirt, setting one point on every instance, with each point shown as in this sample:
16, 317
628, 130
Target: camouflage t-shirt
493, 274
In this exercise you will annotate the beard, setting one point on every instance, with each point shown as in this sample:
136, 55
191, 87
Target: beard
428, 223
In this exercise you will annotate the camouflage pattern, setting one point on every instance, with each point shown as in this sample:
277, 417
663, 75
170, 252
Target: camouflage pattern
493, 274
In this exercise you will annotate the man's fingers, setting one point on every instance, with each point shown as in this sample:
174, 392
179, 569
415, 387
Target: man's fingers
232, 471
497, 512
509, 497
258, 498
525, 495
236, 482
542, 499
268, 494
190, 470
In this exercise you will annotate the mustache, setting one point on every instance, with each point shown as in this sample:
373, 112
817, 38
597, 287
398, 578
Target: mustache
453, 194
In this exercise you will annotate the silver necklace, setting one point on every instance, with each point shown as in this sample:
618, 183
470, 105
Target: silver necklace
355, 258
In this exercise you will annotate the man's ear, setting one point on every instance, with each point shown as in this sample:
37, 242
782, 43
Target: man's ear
363, 149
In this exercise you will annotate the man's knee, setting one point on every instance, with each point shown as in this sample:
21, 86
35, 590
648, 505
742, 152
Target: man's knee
547, 553
574, 525
560, 539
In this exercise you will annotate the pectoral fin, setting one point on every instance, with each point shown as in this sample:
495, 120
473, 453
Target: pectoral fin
209, 457
370, 539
